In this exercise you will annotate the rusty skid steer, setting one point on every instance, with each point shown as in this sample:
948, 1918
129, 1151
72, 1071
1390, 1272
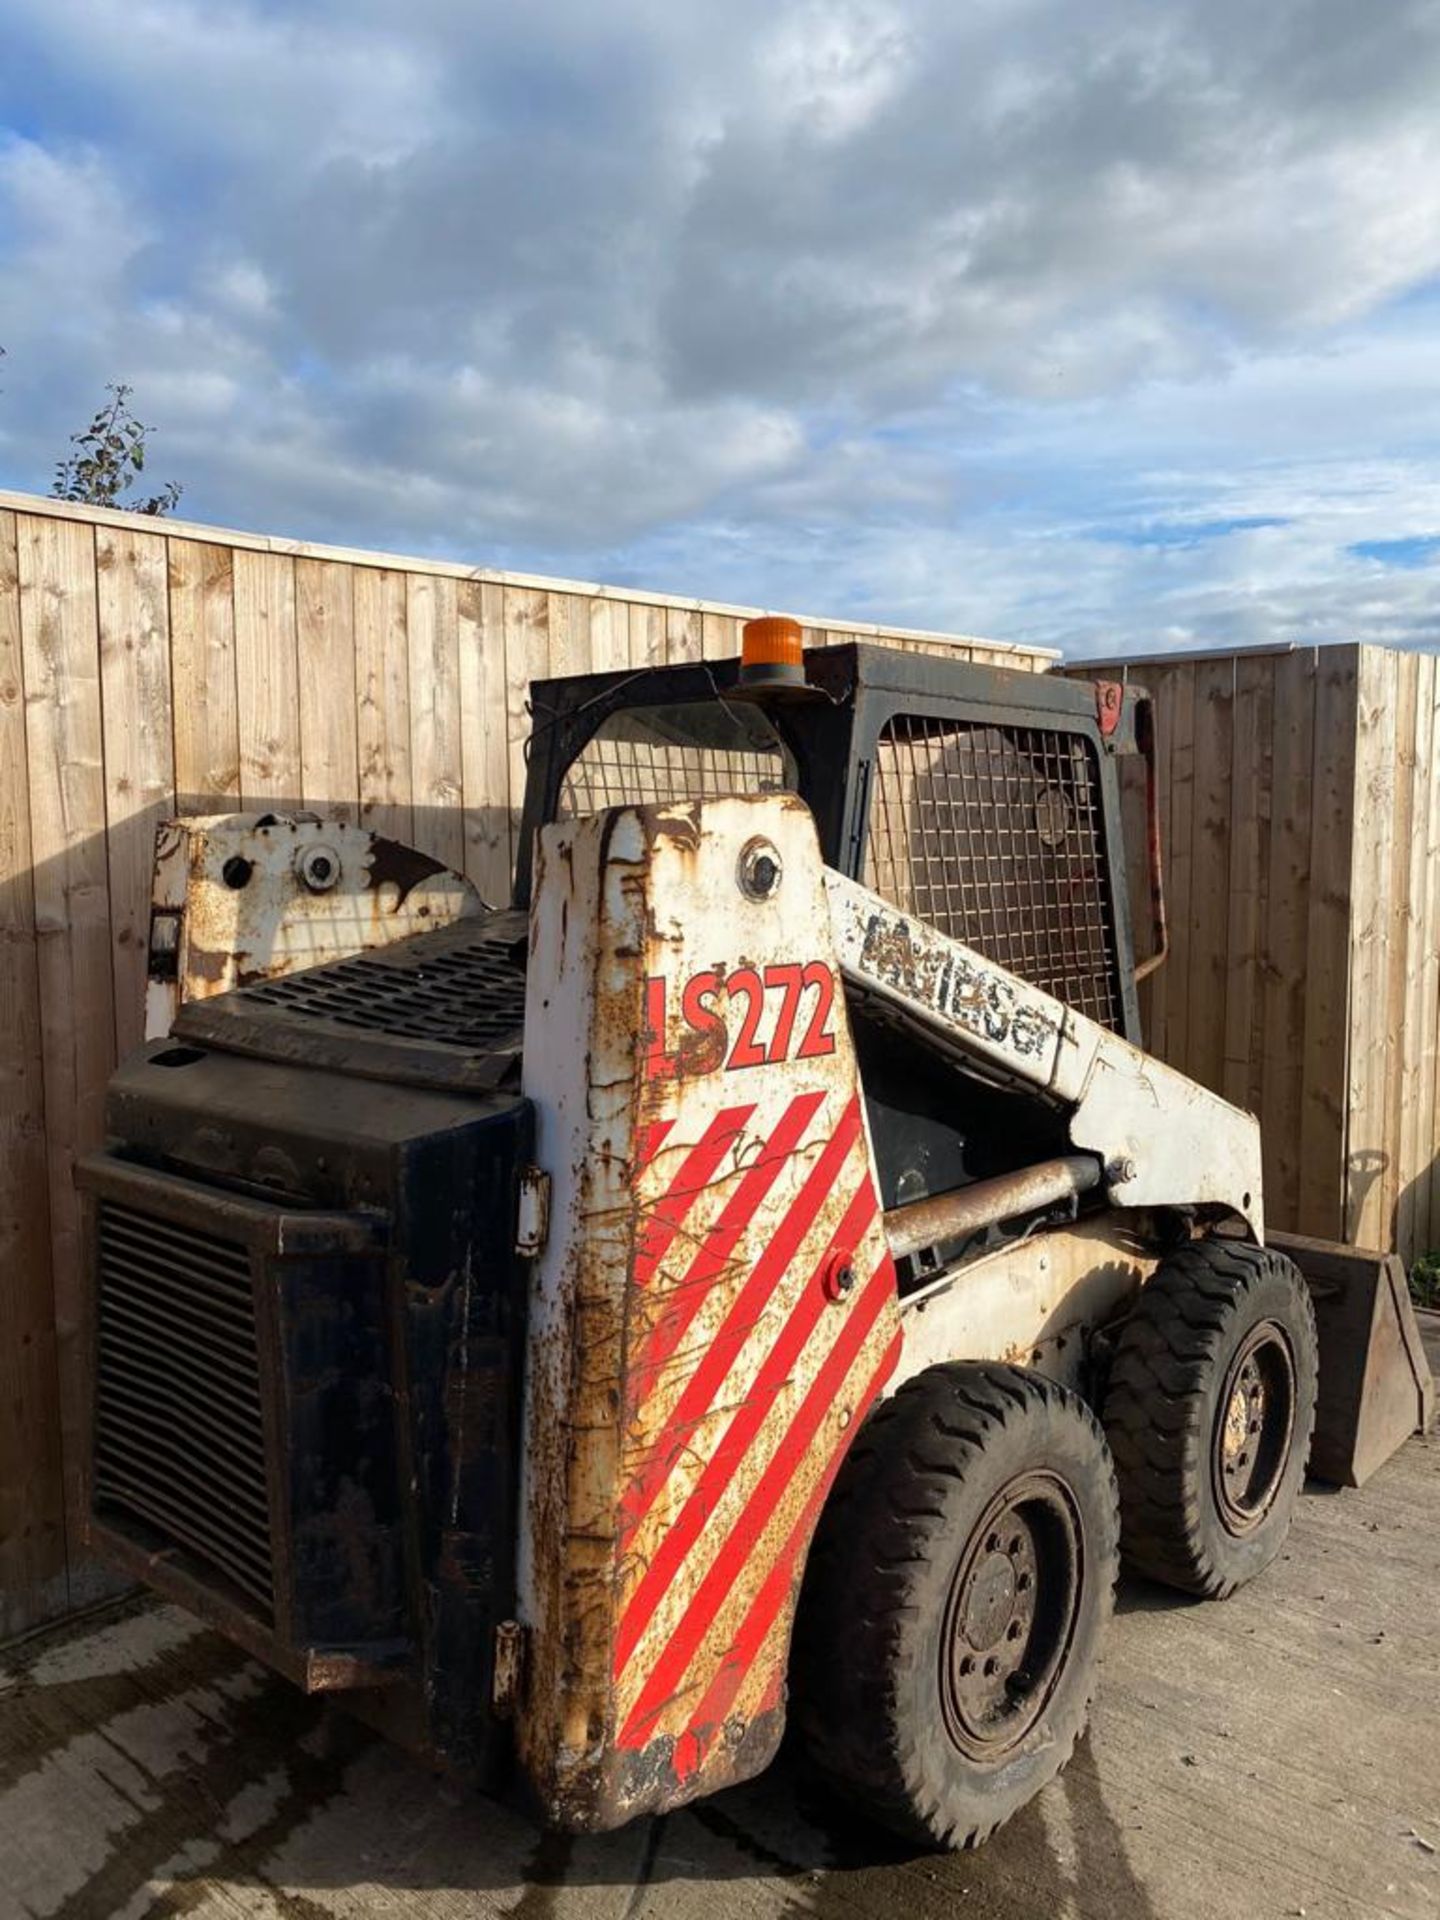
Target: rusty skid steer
757, 1272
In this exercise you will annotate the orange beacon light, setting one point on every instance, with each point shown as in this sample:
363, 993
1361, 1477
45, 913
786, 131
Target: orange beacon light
772, 653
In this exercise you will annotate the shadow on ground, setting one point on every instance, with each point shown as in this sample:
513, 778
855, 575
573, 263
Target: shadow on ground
222, 1775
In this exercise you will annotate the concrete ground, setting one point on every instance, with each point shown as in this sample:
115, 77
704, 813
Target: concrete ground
1275, 1755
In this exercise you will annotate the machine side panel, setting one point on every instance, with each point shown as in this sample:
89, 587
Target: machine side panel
715, 1309
239, 898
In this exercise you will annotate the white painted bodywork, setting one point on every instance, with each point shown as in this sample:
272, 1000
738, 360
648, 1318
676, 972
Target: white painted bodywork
207, 935
1032, 1303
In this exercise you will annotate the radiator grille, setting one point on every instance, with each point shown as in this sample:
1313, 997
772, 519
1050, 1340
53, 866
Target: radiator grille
460, 985
994, 835
179, 1436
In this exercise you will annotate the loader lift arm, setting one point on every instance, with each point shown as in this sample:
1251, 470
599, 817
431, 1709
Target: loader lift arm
1159, 1138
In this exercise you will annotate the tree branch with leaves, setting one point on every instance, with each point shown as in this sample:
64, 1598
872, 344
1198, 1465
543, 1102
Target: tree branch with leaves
108, 458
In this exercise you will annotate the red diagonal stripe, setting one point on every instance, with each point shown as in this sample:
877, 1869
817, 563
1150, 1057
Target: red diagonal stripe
721, 1467
685, 1299
700, 1390
738, 1549
649, 1142
667, 1215
693, 1745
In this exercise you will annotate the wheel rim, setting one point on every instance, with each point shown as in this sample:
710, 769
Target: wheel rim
1253, 1428
1010, 1616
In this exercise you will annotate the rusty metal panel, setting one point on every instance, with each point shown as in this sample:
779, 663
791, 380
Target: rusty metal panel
1375, 1383
715, 1307
243, 898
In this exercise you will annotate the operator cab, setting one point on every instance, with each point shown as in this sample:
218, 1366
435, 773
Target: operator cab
986, 802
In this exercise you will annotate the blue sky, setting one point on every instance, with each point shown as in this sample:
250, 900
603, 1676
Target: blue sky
1113, 328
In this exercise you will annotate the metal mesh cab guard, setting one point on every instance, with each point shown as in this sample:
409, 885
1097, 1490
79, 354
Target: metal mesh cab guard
993, 835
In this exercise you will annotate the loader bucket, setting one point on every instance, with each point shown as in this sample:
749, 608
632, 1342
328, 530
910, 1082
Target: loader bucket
1375, 1383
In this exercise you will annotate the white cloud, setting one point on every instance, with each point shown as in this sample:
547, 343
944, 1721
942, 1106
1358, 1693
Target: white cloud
242, 287
831, 66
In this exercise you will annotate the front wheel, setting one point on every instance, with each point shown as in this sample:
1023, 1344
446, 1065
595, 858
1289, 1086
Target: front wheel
1209, 1411
955, 1599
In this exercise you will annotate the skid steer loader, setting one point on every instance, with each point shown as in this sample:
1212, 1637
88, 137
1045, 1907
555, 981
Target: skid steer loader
754, 1272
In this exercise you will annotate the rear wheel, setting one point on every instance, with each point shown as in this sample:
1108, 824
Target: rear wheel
947, 1642
1209, 1412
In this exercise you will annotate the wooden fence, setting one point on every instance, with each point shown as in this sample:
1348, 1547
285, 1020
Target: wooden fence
147, 668
1300, 808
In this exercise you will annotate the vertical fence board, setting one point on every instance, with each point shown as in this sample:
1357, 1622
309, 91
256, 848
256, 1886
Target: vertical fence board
647, 635
267, 677
1210, 868
1414, 1137
527, 658
60, 645
132, 575
1369, 927
609, 634
569, 622
1401, 856
1156, 992
1325, 1057
684, 634
1425, 1231
1181, 863
382, 702
481, 612
203, 676
719, 636
1285, 935
1250, 800
32, 1503
325, 651
436, 760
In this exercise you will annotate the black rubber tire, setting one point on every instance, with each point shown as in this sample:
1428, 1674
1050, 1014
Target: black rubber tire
875, 1649
1163, 1406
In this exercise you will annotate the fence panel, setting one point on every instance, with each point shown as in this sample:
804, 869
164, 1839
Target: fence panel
1300, 821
